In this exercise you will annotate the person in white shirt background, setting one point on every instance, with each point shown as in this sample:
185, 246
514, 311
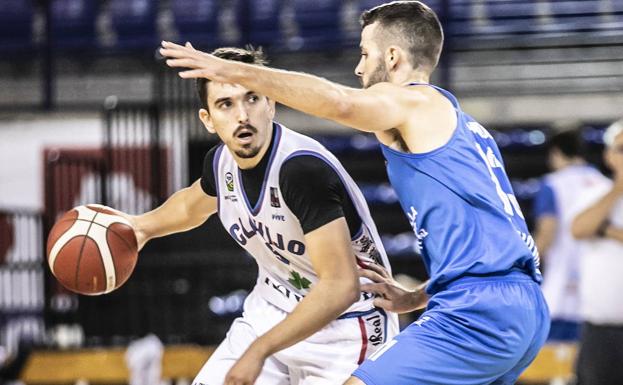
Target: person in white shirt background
600, 226
554, 211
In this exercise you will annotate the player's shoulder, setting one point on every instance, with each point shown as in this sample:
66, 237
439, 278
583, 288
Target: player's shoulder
305, 166
410, 94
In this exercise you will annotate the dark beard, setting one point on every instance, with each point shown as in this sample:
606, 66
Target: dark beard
379, 75
248, 152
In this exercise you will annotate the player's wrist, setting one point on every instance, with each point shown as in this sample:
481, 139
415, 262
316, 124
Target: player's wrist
261, 349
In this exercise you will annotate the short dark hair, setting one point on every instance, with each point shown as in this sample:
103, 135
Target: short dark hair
570, 143
417, 24
246, 55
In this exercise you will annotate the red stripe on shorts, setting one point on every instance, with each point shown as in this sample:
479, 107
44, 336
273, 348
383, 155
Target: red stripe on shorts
364, 341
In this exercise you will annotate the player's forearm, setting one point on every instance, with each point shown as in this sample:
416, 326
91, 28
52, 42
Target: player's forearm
173, 216
324, 303
310, 94
587, 223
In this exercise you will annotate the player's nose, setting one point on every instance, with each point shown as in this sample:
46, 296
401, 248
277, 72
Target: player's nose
243, 114
359, 69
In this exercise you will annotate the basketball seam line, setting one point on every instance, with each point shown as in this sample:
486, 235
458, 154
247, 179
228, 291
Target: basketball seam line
86, 236
62, 248
111, 230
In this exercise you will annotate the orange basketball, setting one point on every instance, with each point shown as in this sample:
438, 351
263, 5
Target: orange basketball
91, 250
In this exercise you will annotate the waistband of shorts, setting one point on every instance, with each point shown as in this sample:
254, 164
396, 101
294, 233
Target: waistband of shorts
355, 314
513, 275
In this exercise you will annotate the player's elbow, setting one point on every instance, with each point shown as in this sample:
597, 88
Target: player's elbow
342, 109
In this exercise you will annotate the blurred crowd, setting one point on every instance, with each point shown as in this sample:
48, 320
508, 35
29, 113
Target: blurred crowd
579, 233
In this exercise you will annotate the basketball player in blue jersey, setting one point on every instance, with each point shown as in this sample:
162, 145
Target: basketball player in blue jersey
485, 317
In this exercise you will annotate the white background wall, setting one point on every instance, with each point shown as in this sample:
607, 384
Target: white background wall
22, 140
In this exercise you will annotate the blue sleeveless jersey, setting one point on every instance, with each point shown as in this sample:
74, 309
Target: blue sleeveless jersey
461, 206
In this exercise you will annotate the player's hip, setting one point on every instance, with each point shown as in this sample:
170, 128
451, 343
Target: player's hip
371, 326
504, 309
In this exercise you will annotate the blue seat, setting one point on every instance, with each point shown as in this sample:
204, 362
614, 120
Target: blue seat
586, 16
260, 23
134, 23
73, 24
318, 24
369, 4
498, 18
197, 22
16, 26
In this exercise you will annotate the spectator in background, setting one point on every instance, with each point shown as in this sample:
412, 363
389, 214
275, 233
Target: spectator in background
600, 226
553, 210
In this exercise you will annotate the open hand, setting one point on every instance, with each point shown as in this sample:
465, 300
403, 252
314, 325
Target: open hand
391, 295
198, 64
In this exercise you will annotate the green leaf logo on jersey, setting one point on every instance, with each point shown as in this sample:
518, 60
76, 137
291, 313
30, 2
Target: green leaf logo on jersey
299, 282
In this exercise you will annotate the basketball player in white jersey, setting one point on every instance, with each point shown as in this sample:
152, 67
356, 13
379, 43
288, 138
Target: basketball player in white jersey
289, 202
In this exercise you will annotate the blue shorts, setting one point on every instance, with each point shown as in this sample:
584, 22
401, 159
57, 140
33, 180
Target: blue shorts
479, 330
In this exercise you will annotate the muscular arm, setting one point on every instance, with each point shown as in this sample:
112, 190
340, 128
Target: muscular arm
586, 224
337, 288
184, 210
377, 108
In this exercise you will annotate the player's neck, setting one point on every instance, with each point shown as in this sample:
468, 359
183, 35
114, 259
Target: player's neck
407, 77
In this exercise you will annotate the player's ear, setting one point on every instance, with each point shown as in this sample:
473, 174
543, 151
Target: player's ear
393, 56
206, 119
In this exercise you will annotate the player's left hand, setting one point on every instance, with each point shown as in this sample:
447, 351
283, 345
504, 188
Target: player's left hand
391, 295
198, 63
246, 370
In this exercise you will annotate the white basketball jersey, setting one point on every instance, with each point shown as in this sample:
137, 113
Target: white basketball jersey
561, 279
272, 234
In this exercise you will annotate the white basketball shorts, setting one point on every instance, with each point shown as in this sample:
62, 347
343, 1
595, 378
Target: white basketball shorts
327, 357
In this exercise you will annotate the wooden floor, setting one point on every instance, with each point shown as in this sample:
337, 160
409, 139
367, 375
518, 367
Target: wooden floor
107, 366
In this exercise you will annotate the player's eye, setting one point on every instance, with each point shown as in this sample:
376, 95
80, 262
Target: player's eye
224, 105
253, 98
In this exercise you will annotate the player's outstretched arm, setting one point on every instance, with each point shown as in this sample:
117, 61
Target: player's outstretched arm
391, 295
184, 210
381, 107
337, 288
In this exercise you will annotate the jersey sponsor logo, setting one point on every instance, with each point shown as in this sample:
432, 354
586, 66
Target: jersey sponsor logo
274, 241
274, 197
422, 320
232, 198
375, 324
229, 181
420, 234
298, 281
284, 291
277, 217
